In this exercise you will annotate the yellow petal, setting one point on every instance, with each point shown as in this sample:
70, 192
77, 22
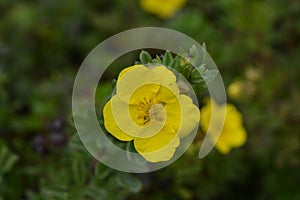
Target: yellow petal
123, 118
183, 115
234, 137
223, 147
233, 129
111, 126
233, 133
228, 140
133, 79
127, 119
127, 69
144, 94
240, 137
174, 115
150, 130
169, 91
166, 75
138, 82
168, 94
160, 147
164, 9
205, 116
190, 116
233, 113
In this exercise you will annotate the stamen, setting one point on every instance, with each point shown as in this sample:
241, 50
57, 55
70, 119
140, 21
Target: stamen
157, 112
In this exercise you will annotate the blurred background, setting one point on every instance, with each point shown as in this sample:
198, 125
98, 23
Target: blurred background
255, 44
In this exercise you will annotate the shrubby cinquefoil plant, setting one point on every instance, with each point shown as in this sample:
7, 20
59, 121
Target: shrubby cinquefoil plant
151, 109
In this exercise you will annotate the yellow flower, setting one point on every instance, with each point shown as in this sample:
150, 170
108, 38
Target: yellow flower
235, 89
162, 8
149, 109
253, 74
233, 133
241, 89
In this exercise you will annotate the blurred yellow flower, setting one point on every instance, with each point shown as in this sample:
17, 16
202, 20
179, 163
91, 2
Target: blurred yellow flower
253, 74
233, 133
149, 110
162, 8
241, 89
235, 89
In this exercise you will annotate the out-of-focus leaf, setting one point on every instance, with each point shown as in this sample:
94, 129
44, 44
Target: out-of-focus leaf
103, 171
95, 192
7, 159
128, 181
79, 170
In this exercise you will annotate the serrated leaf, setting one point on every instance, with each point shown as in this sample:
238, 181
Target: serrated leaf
167, 58
128, 181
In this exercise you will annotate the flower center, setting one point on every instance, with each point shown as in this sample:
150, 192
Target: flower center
157, 112
148, 110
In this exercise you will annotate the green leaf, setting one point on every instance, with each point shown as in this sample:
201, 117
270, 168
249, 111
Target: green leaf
75, 144
7, 159
186, 70
210, 75
167, 58
176, 65
201, 69
54, 193
196, 78
33, 196
145, 57
128, 181
157, 60
95, 192
103, 171
79, 169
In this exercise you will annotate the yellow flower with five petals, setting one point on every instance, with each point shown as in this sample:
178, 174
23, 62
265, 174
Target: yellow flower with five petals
233, 133
149, 109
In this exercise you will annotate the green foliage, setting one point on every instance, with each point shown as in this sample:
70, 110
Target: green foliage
190, 65
145, 57
42, 44
8, 161
129, 182
82, 177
